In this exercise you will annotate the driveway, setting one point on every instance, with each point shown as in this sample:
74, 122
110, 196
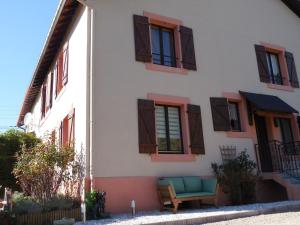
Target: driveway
289, 218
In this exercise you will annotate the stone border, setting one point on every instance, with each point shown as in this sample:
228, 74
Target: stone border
231, 216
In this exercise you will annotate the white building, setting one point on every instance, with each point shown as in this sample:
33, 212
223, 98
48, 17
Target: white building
154, 88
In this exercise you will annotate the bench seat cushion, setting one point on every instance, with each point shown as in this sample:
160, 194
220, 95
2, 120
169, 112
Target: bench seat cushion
192, 184
177, 183
209, 185
194, 194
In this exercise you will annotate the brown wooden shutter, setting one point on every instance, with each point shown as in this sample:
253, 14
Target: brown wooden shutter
298, 119
43, 100
142, 39
65, 64
51, 89
146, 124
187, 48
220, 114
292, 69
71, 128
262, 63
55, 76
196, 131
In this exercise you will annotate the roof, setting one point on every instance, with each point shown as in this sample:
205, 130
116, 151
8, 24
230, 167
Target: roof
62, 20
268, 103
294, 5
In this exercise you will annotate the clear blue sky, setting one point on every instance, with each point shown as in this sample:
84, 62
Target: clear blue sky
24, 26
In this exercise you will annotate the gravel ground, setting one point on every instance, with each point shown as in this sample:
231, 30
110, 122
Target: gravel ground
156, 216
290, 218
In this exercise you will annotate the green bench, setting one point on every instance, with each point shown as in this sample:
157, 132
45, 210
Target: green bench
176, 190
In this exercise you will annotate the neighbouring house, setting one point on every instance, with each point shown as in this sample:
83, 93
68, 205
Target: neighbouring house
150, 89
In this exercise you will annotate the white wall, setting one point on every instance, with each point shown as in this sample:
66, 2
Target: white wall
225, 33
73, 95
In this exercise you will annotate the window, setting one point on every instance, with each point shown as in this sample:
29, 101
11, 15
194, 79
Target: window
234, 116
163, 44
61, 69
67, 130
274, 68
43, 100
163, 47
168, 129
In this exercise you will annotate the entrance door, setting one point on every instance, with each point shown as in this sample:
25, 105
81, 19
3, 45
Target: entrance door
286, 130
263, 142
286, 134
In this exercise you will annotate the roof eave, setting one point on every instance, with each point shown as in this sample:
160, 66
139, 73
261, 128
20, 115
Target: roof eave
65, 7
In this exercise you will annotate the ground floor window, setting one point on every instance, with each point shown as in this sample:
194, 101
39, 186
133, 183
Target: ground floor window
234, 116
168, 129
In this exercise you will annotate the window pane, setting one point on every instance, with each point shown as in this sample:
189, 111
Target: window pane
167, 45
269, 63
161, 128
275, 66
174, 129
155, 41
234, 116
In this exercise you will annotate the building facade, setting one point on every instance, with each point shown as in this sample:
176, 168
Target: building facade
149, 89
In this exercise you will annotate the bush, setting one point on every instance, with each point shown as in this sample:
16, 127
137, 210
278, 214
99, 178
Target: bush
42, 170
58, 202
237, 178
95, 205
11, 142
25, 204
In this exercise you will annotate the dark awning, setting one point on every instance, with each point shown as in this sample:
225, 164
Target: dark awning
268, 103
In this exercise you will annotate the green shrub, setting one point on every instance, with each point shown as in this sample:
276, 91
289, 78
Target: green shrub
237, 178
11, 142
57, 203
25, 204
90, 200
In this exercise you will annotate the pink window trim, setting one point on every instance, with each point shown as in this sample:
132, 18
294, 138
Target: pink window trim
245, 133
280, 87
173, 24
182, 102
167, 69
283, 67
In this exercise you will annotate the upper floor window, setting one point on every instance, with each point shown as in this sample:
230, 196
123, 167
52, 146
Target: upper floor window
61, 69
168, 129
234, 116
163, 46
274, 68
164, 43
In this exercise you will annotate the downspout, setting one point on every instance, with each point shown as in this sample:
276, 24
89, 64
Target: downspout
89, 92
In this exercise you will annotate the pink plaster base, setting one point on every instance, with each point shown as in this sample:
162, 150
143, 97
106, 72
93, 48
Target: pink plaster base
120, 191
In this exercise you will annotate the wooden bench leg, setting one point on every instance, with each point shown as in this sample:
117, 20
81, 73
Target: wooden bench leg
216, 202
176, 204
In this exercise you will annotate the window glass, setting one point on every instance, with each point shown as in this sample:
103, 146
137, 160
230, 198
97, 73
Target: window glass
168, 50
174, 129
163, 48
274, 68
168, 129
155, 40
161, 128
234, 116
